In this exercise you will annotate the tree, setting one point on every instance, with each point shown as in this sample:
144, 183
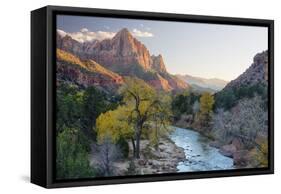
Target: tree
93, 105
114, 124
245, 121
157, 125
107, 154
72, 159
145, 106
142, 108
226, 99
183, 103
69, 106
206, 103
196, 107
206, 109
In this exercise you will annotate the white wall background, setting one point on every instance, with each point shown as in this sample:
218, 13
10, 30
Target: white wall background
15, 95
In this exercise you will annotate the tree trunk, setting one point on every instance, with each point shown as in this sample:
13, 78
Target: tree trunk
134, 147
138, 137
138, 147
107, 160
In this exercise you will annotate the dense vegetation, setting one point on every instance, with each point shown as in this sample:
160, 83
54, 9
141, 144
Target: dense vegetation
77, 111
193, 110
185, 103
229, 97
88, 117
231, 115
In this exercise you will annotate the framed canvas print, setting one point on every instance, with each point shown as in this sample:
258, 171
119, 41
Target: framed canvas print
125, 96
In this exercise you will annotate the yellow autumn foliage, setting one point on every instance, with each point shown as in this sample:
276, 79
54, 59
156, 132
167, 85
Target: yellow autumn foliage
206, 103
262, 154
114, 125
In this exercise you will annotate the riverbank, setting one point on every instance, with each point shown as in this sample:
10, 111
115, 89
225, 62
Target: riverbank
234, 147
163, 159
229, 150
242, 157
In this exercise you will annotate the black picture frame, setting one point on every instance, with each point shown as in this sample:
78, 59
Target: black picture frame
43, 114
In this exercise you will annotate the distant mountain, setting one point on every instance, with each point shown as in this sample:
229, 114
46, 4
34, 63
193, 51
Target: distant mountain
126, 56
256, 73
213, 83
199, 89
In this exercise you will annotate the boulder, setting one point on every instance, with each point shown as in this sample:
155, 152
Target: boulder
241, 158
237, 143
142, 162
228, 150
215, 144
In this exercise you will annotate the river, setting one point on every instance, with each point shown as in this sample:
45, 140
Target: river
199, 155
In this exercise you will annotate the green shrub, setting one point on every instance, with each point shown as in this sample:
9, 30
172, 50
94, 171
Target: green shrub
228, 98
72, 158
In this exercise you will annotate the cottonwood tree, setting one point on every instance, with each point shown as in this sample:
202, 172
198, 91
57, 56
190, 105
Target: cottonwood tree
114, 124
142, 110
206, 109
146, 108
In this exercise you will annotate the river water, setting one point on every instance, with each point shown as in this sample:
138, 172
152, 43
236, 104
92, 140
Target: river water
199, 155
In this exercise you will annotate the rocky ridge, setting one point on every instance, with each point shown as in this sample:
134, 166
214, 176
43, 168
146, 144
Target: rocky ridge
126, 56
256, 73
85, 73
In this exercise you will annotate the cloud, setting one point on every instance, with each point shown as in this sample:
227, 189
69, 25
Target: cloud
84, 35
62, 33
138, 33
84, 30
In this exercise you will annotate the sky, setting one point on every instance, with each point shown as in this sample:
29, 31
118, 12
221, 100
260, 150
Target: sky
197, 49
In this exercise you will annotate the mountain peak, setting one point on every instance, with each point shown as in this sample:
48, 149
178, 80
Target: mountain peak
124, 31
123, 34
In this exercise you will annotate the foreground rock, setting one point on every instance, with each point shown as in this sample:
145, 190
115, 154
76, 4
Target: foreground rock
162, 160
152, 161
242, 157
228, 150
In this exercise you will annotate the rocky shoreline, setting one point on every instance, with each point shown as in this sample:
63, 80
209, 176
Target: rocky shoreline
242, 158
165, 159
233, 150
